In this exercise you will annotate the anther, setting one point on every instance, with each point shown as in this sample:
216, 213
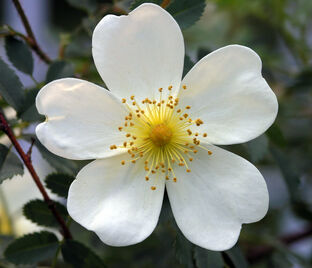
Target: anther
123, 162
184, 86
209, 152
153, 188
123, 100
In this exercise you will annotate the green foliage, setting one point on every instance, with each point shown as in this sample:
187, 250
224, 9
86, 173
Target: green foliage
80, 256
32, 248
136, 3
236, 257
258, 148
29, 112
184, 251
59, 183
186, 12
188, 64
38, 212
59, 69
11, 88
10, 164
207, 259
19, 54
86, 5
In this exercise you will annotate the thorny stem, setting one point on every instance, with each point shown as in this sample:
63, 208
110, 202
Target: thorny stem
31, 40
4, 126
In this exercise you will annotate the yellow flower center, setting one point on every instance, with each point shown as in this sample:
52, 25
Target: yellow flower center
159, 136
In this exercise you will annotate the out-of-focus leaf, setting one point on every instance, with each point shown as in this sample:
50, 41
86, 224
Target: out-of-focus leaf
59, 69
207, 259
289, 172
11, 89
136, 3
29, 112
38, 212
188, 64
32, 248
86, 5
258, 148
302, 81
80, 256
19, 54
276, 136
237, 257
10, 164
186, 12
184, 251
59, 183
59, 163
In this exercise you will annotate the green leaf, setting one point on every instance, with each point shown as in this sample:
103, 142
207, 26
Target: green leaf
59, 183
86, 5
237, 258
207, 259
32, 248
258, 148
59, 69
136, 3
184, 251
30, 113
186, 12
276, 136
38, 212
289, 171
11, 89
10, 164
19, 54
188, 65
79, 255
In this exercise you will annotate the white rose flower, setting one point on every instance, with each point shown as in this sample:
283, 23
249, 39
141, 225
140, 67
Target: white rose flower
151, 130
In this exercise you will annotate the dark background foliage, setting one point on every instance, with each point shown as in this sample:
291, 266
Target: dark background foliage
280, 31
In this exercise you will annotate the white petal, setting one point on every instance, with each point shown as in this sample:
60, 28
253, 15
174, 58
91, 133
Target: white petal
82, 119
227, 91
115, 201
139, 53
221, 192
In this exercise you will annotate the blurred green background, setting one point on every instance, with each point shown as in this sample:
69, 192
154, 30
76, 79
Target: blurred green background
280, 31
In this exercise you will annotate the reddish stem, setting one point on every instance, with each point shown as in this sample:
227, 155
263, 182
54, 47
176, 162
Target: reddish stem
31, 40
4, 126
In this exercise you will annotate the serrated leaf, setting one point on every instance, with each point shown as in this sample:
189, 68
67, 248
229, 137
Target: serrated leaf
11, 89
80, 256
19, 54
136, 3
188, 65
38, 212
184, 251
207, 259
186, 12
32, 248
237, 257
258, 148
59, 69
10, 164
59, 183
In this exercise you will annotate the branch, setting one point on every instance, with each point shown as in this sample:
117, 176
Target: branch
31, 40
258, 253
4, 126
